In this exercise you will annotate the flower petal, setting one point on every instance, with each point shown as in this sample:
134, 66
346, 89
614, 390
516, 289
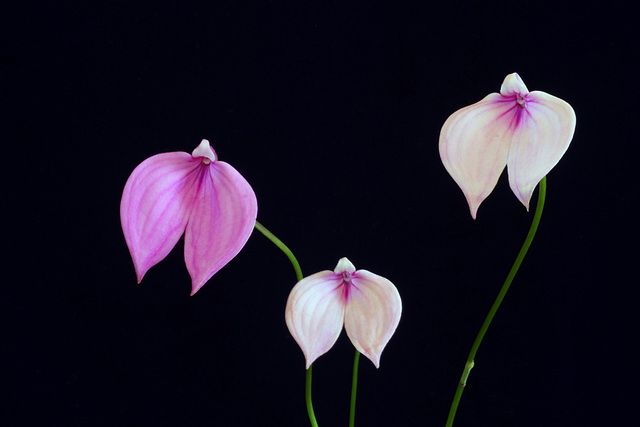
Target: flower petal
315, 313
221, 221
542, 138
474, 145
155, 207
372, 314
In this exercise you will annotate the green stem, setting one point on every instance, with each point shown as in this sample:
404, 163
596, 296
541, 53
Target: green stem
296, 266
307, 389
269, 235
542, 191
354, 387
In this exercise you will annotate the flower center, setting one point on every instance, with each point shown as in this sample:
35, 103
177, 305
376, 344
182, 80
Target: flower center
346, 277
520, 99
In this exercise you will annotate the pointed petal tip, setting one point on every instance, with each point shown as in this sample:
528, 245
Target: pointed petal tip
308, 363
375, 360
523, 195
196, 286
474, 211
474, 203
309, 356
525, 200
373, 357
140, 271
310, 359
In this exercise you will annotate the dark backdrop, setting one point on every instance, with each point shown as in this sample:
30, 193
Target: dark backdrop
332, 111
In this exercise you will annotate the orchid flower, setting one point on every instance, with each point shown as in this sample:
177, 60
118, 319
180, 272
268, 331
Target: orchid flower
174, 193
368, 306
526, 131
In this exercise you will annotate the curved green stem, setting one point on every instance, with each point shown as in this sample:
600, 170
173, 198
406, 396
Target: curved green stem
296, 266
354, 387
542, 191
269, 235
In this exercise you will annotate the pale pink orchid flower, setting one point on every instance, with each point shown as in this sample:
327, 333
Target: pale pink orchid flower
526, 131
367, 305
196, 194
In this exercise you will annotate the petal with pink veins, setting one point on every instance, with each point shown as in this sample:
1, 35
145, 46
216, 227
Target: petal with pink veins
474, 146
155, 207
315, 313
222, 219
373, 313
541, 141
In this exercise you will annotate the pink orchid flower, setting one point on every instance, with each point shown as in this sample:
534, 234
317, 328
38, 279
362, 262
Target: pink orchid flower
196, 194
368, 306
526, 131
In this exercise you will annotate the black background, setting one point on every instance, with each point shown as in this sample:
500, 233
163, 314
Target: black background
332, 111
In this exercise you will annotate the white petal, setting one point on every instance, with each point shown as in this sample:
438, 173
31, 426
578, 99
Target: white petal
541, 139
373, 313
315, 313
474, 145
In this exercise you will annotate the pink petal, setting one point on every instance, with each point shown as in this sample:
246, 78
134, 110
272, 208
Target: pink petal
372, 314
315, 313
541, 139
155, 207
221, 221
474, 145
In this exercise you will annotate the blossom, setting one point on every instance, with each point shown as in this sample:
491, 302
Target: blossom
196, 194
526, 131
368, 306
